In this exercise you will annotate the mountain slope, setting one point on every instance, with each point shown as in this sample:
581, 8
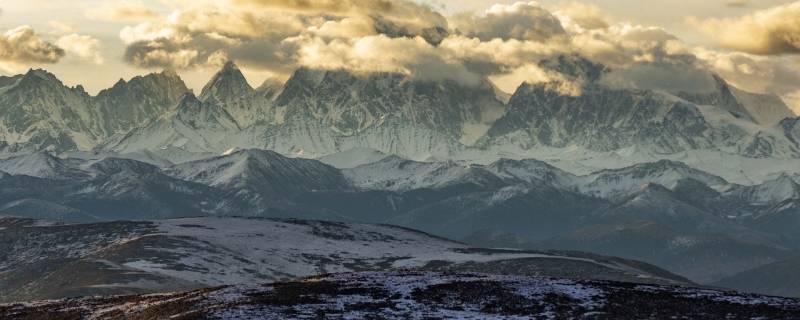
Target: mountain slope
40, 113
604, 119
262, 179
193, 126
326, 112
125, 257
129, 104
412, 295
779, 278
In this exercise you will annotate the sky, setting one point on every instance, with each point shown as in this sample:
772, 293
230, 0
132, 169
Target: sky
653, 44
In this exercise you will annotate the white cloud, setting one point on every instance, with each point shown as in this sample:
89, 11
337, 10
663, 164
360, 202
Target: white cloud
82, 46
23, 45
772, 31
120, 11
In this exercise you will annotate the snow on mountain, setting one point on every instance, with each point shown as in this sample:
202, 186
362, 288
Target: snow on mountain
271, 88
398, 174
353, 158
262, 179
417, 295
722, 97
40, 113
229, 83
533, 171
192, 126
766, 109
129, 104
230, 91
331, 111
768, 193
42, 165
606, 119
252, 164
616, 182
188, 253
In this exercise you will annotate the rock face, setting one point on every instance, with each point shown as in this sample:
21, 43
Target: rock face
412, 295
324, 112
41, 113
317, 113
601, 118
192, 126
130, 104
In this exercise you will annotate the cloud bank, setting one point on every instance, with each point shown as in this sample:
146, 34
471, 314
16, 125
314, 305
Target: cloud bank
506, 43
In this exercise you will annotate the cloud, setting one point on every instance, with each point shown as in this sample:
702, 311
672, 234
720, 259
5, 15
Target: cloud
379, 53
59, 27
505, 43
773, 31
122, 11
520, 21
755, 73
274, 35
82, 46
737, 3
579, 16
23, 45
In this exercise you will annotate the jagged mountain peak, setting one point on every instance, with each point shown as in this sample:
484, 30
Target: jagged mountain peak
196, 113
227, 84
40, 74
188, 99
141, 99
271, 88
41, 81
575, 67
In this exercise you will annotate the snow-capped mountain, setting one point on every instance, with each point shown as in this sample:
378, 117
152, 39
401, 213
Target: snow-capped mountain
317, 113
614, 182
192, 126
770, 192
40, 113
323, 112
229, 90
601, 118
766, 109
228, 84
168, 255
129, 104
261, 178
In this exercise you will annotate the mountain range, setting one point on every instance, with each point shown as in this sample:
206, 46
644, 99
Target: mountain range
703, 184
316, 113
665, 213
